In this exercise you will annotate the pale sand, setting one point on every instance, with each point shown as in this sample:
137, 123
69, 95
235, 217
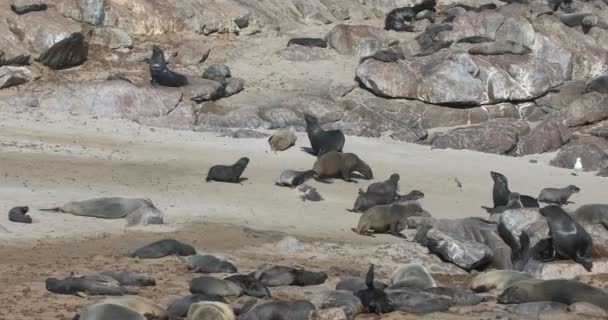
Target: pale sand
49, 161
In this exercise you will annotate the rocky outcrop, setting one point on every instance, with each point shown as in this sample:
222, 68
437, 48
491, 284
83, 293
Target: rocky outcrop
495, 136
549, 135
12, 76
591, 150
89, 11
112, 37
12, 52
357, 40
466, 254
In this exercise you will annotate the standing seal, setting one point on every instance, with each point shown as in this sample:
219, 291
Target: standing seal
19, 214
160, 73
366, 200
282, 140
374, 300
387, 218
557, 196
390, 186
322, 141
293, 178
558, 290
501, 192
308, 42
514, 203
570, 240
340, 165
231, 173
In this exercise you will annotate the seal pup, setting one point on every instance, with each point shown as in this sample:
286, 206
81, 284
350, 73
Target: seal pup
83, 286
335, 164
179, 307
210, 285
109, 311
389, 186
557, 290
19, 214
210, 310
499, 47
410, 196
163, 248
402, 19
387, 219
592, 214
250, 285
292, 310
308, 42
435, 47
322, 141
557, 196
293, 178
412, 275
142, 305
127, 278
374, 300
598, 84
288, 276
570, 240
282, 140
498, 280
514, 203
426, 39
209, 264
160, 73
385, 55
366, 200
231, 173
501, 192
309, 193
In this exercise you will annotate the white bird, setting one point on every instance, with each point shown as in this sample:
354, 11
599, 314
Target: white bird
578, 166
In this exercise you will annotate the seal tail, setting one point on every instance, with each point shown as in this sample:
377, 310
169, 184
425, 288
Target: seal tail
56, 209
369, 279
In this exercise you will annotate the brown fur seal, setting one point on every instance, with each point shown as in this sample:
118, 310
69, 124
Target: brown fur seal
210, 310
84, 285
322, 141
19, 214
366, 200
250, 285
209, 264
412, 275
163, 248
385, 55
387, 218
498, 280
592, 214
293, 178
340, 165
598, 84
127, 278
283, 140
211, 285
109, 311
514, 203
390, 186
410, 196
160, 73
280, 310
585, 20
557, 290
179, 308
231, 173
499, 47
142, 305
19, 8
501, 192
557, 196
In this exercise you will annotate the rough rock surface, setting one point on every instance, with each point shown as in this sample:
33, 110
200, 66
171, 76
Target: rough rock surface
463, 253
12, 76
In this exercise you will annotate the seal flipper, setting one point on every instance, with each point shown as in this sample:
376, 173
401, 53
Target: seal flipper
369, 279
488, 209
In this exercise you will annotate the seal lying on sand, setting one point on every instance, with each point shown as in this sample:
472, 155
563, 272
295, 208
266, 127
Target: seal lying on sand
557, 290
308, 42
570, 240
19, 214
282, 140
160, 73
293, 178
498, 280
250, 285
275, 276
387, 218
322, 141
231, 173
109, 311
142, 305
374, 300
82, 285
135, 211
127, 278
340, 165
211, 285
179, 308
592, 214
412, 275
209, 264
280, 310
499, 47
163, 248
558, 196
210, 310
501, 192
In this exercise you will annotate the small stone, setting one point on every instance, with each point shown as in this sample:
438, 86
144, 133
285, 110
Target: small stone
289, 244
217, 72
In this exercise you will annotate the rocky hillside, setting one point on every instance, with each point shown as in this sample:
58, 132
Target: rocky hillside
507, 78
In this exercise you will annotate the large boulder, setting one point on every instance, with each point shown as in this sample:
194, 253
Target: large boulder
12, 76
465, 254
89, 11
12, 51
549, 135
358, 40
589, 108
496, 136
111, 37
562, 97
591, 150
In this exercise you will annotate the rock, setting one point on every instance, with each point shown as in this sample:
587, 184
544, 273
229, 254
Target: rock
111, 37
212, 115
410, 135
565, 269
600, 131
192, 52
201, 90
224, 26
330, 314
549, 135
357, 40
418, 302
600, 240
466, 254
43, 30
528, 220
529, 111
302, 53
588, 310
13, 76
89, 11
12, 51
566, 94
589, 108
591, 150
536, 309
495, 136
233, 86
217, 72
243, 134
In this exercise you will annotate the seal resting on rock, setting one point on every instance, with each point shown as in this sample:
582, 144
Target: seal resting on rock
557, 290
308, 42
225, 173
135, 211
374, 300
385, 55
592, 214
387, 218
340, 165
109, 311
82, 286
19, 214
282, 140
142, 305
401, 19
210, 310
501, 192
163, 248
475, 39
499, 47
570, 240
322, 141
598, 84
557, 196
209, 264
293, 178
160, 73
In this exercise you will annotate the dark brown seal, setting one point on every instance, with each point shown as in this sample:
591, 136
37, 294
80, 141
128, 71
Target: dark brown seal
340, 165
322, 141
231, 173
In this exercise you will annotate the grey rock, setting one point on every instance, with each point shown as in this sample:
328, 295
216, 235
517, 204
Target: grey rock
357, 40
549, 135
13, 76
217, 72
89, 11
591, 150
192, 52
12, 52
589, 108
566, 94
466, 254
233, 86
112, 37
302, 53
201, 90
